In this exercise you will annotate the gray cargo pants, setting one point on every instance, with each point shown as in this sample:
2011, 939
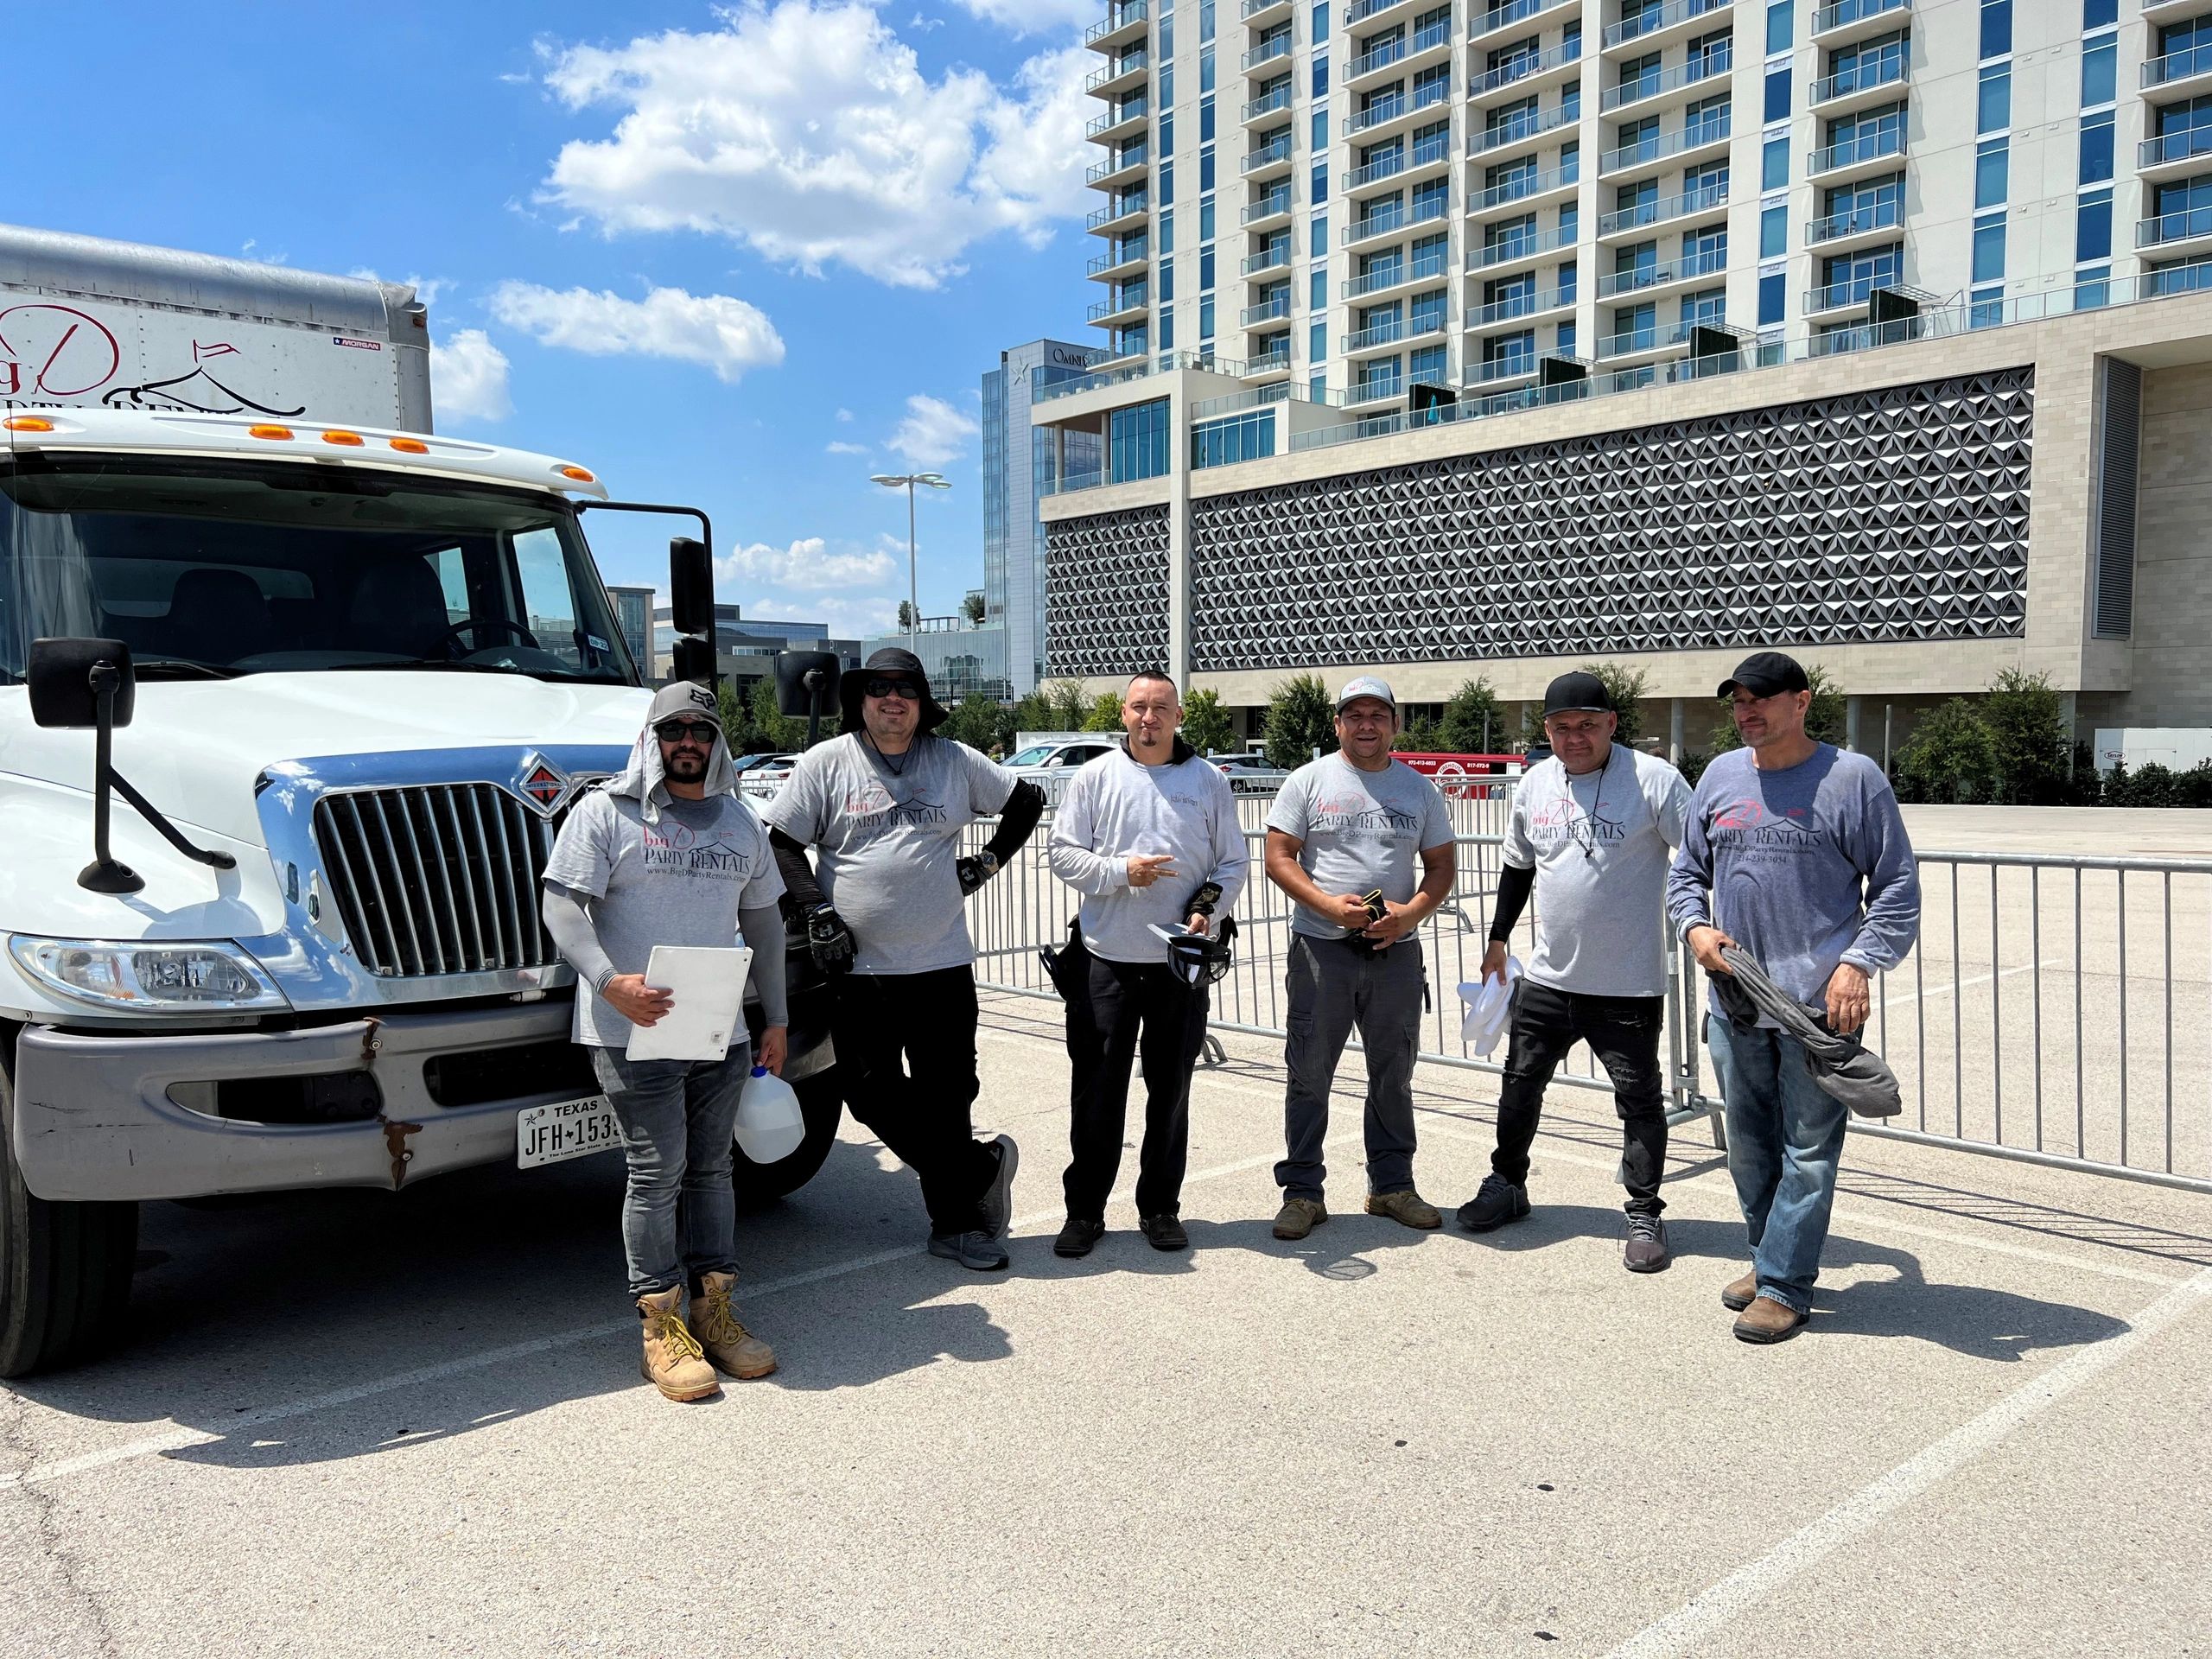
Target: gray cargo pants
1334, 988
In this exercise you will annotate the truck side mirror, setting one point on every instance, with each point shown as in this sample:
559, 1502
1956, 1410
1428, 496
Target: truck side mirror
690, 586
806, 682
61, 687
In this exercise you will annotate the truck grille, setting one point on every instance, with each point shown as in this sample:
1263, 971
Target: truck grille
437, 879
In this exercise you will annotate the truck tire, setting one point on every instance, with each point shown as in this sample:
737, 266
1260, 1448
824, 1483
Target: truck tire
822, 1106
65, 1269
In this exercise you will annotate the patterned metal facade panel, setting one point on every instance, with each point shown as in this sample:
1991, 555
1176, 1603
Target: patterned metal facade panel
1898, 514
1106, 593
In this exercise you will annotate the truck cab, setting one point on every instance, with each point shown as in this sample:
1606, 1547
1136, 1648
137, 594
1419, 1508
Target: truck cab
370, 671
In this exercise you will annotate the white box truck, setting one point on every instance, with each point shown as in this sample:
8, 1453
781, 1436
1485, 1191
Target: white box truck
294, 697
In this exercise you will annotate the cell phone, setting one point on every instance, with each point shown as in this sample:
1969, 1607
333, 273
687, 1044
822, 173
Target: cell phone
1373, 900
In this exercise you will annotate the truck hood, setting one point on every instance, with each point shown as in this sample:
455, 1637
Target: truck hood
196, 748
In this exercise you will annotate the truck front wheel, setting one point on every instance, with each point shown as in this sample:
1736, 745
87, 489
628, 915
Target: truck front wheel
822, 1106
65, 1269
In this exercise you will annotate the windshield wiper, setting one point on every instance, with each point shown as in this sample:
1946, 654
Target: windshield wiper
145, 666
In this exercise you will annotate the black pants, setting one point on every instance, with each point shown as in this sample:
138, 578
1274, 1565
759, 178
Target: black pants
1623, 1032
906, 1066
1121, 1011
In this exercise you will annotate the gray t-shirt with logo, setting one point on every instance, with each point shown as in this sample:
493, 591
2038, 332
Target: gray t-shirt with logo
1600, 844
888, 835
681, 880
1360, 829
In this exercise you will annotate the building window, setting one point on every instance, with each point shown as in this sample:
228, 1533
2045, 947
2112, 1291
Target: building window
2100, 73
1206, 319
1206, 219
1167, 138
1317, 389
1166, 281
1206, 69
1316, 299
1205, 168
1321, 23
1167, 331
1205, 120
2093, 227
2092, 288
1777, 94
1780, 22
1427, 364
1136, 441
2099, 14
1774, 164
1985, 308
1320, 185
1996, 28
1320, 132
1205, 20
1168, 233
1994, 109
1773, 288
1205, 270
1774, 232
1992, 172
1321, 75
1248, 435
1317, 342
1566, 338
1167, 182
1989, 248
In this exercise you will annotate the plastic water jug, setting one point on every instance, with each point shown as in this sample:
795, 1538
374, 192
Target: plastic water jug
770, 1125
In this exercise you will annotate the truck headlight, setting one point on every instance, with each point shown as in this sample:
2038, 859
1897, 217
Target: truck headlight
201, 974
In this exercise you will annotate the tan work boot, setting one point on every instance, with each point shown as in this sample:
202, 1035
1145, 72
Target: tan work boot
730, 1348
1737, 1296
1768, 1320
1299, 1217
1408, 1208
673, 1362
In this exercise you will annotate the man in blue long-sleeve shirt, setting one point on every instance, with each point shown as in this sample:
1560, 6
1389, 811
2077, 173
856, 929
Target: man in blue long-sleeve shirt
1795, 849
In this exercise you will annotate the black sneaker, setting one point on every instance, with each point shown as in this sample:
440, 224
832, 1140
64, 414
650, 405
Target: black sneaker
998, 1198
1078, 1237
1495, 1203
1645, 1250
1165, 1232
976, 1250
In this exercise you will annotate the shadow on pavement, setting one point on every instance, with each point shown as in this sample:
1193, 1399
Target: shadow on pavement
1974, 1320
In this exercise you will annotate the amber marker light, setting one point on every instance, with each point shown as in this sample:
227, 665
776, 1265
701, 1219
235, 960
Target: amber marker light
575, 475
277, 432
348, 440
410, 446
28, 424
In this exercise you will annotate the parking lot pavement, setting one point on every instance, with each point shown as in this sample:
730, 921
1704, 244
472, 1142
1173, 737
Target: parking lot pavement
358, 1424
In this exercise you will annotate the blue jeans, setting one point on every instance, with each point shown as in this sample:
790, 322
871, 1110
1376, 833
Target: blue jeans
678, 1120
1785, 1135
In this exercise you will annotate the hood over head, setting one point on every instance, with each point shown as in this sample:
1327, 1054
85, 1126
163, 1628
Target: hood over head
642, 777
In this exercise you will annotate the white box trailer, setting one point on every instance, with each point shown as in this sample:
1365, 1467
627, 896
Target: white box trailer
2175, 747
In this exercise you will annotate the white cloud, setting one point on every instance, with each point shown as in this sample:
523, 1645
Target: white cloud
933, 432
848, 618
807, 564
725, 334
1037, 16
810, 132
853, 588
840, 447
427, 289
844, 414
469, 378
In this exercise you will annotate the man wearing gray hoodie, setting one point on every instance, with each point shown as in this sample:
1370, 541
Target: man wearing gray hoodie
667, 854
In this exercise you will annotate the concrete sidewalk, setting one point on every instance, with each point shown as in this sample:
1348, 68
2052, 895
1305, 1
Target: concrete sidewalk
357, 1424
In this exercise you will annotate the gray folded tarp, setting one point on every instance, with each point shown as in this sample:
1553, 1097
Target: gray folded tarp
1843, 1066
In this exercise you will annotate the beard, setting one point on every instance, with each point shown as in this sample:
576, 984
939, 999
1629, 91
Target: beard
685, 765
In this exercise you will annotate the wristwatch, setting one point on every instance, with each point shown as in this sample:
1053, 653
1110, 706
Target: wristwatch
989, 861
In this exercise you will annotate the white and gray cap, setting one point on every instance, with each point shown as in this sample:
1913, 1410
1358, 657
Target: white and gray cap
1366, 686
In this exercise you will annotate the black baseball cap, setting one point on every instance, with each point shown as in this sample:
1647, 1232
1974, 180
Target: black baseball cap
1765, 672
1577, 693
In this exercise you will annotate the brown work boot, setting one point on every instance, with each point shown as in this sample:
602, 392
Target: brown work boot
673, 1362
730, 1348
1768, 1320
1299, 1217
1737, 1296
1408, 1207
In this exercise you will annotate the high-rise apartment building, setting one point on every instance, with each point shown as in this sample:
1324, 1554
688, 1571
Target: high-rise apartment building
1360, 196
1013, 543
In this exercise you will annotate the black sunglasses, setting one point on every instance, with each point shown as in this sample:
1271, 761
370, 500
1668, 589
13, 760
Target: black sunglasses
674, 731
879, 687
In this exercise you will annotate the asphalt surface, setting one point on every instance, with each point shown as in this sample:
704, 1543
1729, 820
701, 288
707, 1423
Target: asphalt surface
365, 1424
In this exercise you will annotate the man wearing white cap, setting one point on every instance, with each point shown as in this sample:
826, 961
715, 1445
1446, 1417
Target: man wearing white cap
1342, 842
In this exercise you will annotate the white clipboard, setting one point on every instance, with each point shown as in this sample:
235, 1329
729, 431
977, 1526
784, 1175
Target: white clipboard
707, 1013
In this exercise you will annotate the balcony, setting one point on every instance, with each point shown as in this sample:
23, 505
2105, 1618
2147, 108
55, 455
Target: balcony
1868, 221
1654, 26
1527, 72
2156, 11
1258, 12
1424, 47
1125, 74
2180, 151
1263, 366
1380, 390
1116, 263
1396, 222
1262, 213
2178, 75
1695, 72
1664, 273
1380, 113
1385, 335
1275, 310
1849, 296
1262, 58
1646, 341
1497, 370
1506, 17
1268, 160
1870, 152
1114, 125
1846, 20
1121, 24
1861, 85
1497, 142
1402, 273
1118, 218
1121, 311
1521, 307
1426, 159
1520, 248
1691, 141
1661, 210
1360, 11
2189, 231
1117, 170
1274, 257
1268, 105
1529, 188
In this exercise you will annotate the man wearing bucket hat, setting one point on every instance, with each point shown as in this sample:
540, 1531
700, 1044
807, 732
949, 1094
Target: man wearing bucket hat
667, 854
1591, 832
1344, 839
1796, 848
885, 804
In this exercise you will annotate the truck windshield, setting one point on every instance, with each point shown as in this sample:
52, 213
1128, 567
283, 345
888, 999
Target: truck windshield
208, 568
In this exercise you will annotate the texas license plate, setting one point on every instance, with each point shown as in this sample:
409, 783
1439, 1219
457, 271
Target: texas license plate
564, 1129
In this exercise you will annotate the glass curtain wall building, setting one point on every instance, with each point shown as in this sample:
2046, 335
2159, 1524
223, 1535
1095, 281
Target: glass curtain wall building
1017, 472
1356, 197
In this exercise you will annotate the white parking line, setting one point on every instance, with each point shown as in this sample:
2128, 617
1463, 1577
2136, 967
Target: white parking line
1687, 1627
1903, 998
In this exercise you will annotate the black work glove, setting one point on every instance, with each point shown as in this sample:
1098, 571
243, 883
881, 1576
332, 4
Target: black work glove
829, 941
976, 870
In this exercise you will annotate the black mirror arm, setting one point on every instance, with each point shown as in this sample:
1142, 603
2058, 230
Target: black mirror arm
169, 832
105, 873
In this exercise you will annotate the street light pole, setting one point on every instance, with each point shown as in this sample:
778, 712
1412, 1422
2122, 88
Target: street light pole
907, 481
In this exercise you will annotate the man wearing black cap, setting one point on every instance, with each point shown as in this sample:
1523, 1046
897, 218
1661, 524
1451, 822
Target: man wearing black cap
1795, 848
885, 802
1591, 834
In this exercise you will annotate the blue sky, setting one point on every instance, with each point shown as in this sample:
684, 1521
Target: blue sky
692, 247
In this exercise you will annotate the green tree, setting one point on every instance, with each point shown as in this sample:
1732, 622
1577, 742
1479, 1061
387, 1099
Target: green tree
1950, 757
1426, 738
1473, 722
1626, 690
973, 607
1206, 724
1032, 713
1300, 719
1070, 707
1104, 714
735, 716
777, 730
908, 616
2026, 723
1826, 717
975, 722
